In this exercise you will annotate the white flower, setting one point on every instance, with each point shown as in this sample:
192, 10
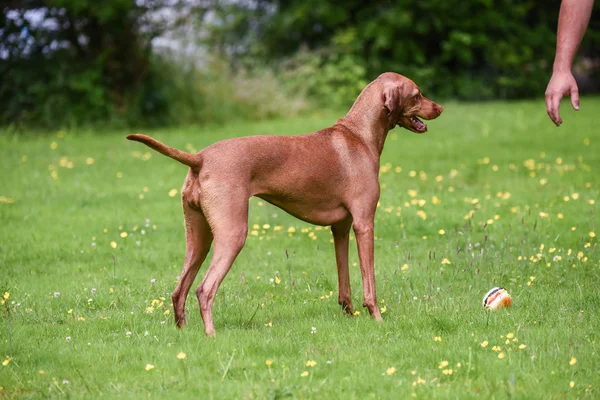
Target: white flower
152, 280
65, 382
68, 338
314, 329
90, 300
128, 334
56, 294
93, 290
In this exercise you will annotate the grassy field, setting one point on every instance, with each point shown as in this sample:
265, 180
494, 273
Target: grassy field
92, 242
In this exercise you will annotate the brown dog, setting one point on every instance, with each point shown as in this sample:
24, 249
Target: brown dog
329, 177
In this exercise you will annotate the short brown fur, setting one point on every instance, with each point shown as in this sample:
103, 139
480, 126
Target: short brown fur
329, 177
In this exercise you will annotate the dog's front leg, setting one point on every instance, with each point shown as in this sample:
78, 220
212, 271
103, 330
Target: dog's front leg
364, 230
341, 236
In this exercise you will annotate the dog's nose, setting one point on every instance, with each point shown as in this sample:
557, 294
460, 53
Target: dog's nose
438, 109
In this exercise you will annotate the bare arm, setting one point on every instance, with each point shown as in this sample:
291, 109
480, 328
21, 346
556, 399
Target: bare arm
573, 20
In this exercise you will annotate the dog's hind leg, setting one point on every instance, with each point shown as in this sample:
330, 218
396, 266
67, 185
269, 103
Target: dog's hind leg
198, 239
229, 223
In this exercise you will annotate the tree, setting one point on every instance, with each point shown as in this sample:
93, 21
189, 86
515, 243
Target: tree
63, 60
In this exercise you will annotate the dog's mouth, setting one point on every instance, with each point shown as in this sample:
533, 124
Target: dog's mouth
418, 125
414, 124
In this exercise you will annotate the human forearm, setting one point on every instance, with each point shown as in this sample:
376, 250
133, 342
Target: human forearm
573, 20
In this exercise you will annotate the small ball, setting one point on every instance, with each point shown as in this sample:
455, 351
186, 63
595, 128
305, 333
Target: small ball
497, 298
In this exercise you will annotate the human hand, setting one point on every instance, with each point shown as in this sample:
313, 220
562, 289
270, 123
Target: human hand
561, 84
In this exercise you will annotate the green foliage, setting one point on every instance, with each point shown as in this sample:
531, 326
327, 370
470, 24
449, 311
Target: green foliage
476, 49
67, 61
330, 78
73, 62
186, 94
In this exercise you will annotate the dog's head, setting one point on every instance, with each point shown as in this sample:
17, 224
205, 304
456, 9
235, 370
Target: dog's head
405, 105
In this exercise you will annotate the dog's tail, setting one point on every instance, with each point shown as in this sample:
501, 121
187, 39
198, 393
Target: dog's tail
191, 160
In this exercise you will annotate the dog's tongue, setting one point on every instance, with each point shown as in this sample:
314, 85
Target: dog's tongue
418, 124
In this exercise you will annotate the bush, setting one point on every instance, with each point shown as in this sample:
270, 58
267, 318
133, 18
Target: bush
187, 94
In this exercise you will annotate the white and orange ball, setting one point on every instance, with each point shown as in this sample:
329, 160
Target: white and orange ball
497, 298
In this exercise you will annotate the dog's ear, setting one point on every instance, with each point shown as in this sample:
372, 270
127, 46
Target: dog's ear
391, 98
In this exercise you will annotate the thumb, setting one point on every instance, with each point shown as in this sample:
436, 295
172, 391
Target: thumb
575, 98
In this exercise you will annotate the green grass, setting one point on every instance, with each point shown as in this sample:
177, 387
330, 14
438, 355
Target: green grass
505, 161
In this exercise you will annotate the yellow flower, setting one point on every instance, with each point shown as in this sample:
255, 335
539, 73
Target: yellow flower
422, 214
571, 384
390, 371
512, 335
442, 232
173, 192
573, 361
149, 367
304, 374
356, 313
443, 364
447, 372
311, 363
592, 234
6, 362
181, 355
501, 355
404, 267
291, 229
277, 280
522, 347
6, 295
437, 339
383, 309
89, 161
269, 363
70, 311
446, 261
484, 343
113, 244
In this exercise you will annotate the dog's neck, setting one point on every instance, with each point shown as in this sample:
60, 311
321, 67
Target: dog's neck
367, 117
